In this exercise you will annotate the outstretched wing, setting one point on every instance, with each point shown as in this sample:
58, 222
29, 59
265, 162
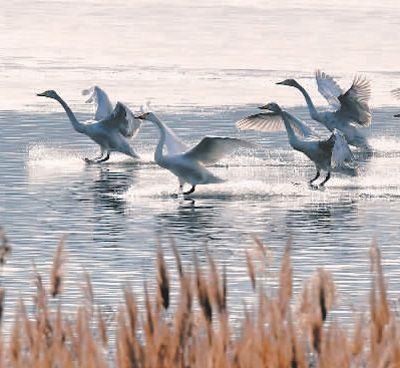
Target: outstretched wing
103, 105
396, 93
212, 149
273, 122
262, 122
341, 152
354, 103
328, 88
122, 119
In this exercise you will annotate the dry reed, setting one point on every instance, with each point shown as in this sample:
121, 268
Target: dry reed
197, 332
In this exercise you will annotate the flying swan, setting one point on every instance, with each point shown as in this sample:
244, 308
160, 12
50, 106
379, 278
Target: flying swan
351, 107
326, 154
111, 129
188, 164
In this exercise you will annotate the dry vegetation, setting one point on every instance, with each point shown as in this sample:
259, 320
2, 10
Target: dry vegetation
279, 332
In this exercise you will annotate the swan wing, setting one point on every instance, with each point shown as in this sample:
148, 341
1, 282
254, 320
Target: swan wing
212, 149
122, 119
262, 122
328, 88
103, 105
341, 152
354, 103
396, 93
273, 122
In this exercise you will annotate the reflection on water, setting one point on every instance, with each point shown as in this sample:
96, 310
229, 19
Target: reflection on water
116, 213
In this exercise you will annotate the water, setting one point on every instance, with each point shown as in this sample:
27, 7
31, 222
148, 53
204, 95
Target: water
203, 67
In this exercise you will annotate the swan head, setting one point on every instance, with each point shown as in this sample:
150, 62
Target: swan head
289, 82
271, 106
50, 94
146, 116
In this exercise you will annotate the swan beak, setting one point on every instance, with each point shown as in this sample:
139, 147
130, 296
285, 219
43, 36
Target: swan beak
264, 107
141, 116
397, 116
281, 83
41, 94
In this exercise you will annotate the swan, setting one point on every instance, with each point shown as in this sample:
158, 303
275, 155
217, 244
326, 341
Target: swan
188, 164
351, 107
325, 153
111, 132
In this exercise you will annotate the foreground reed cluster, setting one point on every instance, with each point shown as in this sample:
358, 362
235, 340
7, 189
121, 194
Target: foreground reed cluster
195, 331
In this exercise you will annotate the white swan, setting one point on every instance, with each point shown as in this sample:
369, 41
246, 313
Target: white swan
351, 107
101, 101
188, 165
326, 154
111, 133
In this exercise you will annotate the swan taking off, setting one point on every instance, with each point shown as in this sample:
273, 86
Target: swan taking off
326, 154
111, 132
188, 165
351, 107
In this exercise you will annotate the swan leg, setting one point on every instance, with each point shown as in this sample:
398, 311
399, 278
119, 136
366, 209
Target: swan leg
96, 159
316, 177
190, 191
93, 160
103, 159
326, 179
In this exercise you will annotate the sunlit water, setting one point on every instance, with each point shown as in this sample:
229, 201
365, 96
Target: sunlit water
203, 68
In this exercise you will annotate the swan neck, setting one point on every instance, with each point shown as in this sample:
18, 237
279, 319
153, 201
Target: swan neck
158, 155
310, 104
293, 139
79, 127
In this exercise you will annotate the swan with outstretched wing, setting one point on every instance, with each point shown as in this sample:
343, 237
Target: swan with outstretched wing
351, 109
112, 132
325, 153
189, 164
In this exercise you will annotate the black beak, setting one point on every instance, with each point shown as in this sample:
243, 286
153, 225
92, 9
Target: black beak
397, 116
41, 94
140, 116
280, 83
264, 107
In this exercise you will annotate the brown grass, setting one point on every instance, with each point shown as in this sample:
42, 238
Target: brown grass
196, 332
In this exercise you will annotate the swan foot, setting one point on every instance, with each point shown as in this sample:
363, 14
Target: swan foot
315, 178
321, 185
97, 160
190, 191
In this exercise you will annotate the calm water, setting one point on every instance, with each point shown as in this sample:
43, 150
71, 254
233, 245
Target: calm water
202, 68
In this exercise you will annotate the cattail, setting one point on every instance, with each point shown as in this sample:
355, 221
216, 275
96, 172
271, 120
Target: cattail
162, 279
5, 247
216, 290
102, 327
285, 280
56, 271
250, 270
202, 293
149, 312
2, 296
177, 259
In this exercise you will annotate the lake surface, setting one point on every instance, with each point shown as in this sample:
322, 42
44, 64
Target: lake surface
203, 68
